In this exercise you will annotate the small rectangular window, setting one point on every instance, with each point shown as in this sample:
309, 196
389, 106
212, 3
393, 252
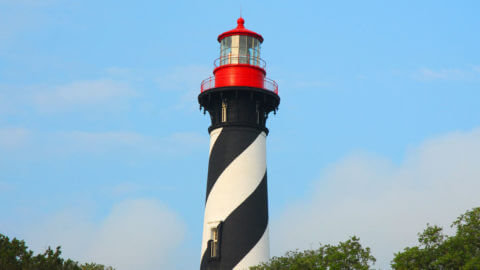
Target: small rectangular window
224, 111
215, 242
214, 247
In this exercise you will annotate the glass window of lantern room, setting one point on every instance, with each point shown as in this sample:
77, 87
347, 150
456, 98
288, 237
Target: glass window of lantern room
250, 49
222, 48
234, 45
256, 45
243, 50
225, 50
253, 56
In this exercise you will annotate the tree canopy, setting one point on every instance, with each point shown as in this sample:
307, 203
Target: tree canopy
436, 250
439, 251
346, 255
14, 254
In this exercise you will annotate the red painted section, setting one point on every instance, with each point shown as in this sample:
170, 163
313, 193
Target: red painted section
239, 75
240, 30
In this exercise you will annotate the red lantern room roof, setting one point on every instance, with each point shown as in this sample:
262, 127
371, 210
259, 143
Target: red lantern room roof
240, 30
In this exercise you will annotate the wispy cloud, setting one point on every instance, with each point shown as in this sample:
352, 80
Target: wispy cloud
11, 138
176, 144
384, 204
124, 188
429, 74
146, 229
28, 2
311, 84
41, 144
82, 93
183, 78
19, 17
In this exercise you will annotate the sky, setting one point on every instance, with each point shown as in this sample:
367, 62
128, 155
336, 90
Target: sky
103, 149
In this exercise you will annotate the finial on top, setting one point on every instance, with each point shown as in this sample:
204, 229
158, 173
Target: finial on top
240, 22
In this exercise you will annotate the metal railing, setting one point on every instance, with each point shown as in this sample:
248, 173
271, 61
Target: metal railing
240, 59
208, 83
268, 84
271, 85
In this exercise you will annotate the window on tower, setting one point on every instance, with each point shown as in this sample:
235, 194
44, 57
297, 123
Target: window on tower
214, 247
224, 111
257, 109
215, 241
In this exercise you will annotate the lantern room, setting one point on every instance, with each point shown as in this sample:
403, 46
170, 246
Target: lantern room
240, 46
239, 63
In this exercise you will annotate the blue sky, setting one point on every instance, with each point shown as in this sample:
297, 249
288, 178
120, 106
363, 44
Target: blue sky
103, 149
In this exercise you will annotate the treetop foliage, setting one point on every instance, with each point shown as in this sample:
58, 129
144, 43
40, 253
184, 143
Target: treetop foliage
439, 251
14, 254
346, 255
436, 251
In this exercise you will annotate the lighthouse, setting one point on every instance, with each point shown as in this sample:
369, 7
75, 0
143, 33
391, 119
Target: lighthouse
238, 98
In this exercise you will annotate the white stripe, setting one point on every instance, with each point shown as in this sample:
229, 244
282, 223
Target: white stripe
234, 185
258, 254
213, 138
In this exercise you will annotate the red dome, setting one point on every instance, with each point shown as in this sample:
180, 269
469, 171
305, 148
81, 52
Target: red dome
240, 30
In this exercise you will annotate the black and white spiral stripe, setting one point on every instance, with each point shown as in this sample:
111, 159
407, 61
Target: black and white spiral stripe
237, 196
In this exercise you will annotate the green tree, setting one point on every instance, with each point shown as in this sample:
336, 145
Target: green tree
14, 254
94, 266
346, 255
439, 251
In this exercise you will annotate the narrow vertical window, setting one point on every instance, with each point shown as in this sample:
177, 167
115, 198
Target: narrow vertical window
258, 112
215, 242
214, 247
224, 111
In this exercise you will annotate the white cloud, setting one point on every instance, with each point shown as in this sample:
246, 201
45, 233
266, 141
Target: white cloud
19, 17
428, 74
30, 144
4, 186
384, 204
5, 106
99, 140
82, 93
176, 144
28, 2
138, 234
310, 84
13, 137
124, 188
184, 78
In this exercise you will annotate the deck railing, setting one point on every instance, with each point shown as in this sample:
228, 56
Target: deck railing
268, 84
240, 59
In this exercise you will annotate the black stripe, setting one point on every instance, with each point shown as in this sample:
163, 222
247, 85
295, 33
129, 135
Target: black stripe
231, 142
242, 230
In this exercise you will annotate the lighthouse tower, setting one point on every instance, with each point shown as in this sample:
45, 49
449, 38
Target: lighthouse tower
238, 98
